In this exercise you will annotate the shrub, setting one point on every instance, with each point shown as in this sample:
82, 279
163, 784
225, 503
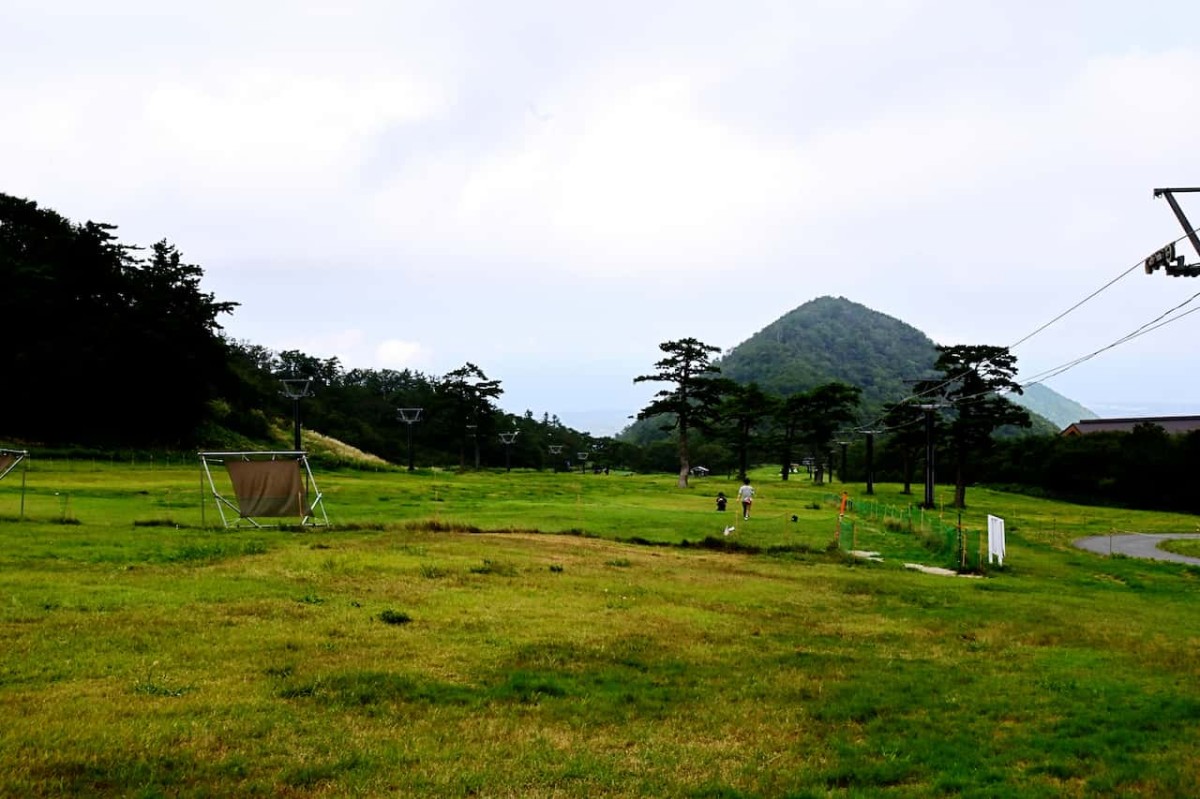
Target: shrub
390, 616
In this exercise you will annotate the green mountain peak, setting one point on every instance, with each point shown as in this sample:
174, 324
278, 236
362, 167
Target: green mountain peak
833, 338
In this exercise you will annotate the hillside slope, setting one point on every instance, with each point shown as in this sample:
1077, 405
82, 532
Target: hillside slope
1054, 406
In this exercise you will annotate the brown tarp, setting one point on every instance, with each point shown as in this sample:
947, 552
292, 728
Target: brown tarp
268, 488
6, 461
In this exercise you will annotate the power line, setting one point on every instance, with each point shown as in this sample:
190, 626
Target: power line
1162, 320
1090, 297
1148, 327
1041, 376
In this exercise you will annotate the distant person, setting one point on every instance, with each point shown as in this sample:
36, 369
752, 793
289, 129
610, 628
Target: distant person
746, 497
721, 500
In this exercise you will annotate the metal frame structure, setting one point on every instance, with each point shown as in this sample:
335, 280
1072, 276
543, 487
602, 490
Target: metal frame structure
296, 389
20, 458
1165, 258
308, 517
409, 416
508, 439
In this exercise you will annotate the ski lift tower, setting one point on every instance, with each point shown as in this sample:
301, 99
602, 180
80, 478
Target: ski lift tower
409, 416
929, 409
556, 450
296, 389
508, 439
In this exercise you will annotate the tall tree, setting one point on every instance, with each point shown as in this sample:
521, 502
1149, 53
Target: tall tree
744, 410
174, 358
971, 376
823, 411
468, 393
128, 349
789, 415
905, 438
692, 403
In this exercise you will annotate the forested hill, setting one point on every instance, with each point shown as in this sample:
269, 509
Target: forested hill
832, 338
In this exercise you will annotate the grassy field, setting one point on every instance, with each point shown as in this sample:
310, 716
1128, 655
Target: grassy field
558, 635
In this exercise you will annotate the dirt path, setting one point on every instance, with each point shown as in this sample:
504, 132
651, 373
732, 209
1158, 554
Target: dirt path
1136, 545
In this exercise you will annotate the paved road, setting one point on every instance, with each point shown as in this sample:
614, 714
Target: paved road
1137, 545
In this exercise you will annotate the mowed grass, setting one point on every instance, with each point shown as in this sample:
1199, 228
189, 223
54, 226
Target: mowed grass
552, 635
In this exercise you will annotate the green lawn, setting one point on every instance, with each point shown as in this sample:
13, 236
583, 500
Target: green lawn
550, 635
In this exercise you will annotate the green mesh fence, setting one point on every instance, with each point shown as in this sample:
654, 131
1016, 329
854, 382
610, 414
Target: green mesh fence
965, 549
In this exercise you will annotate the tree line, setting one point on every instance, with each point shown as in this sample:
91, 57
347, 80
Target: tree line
115, 346
965, 391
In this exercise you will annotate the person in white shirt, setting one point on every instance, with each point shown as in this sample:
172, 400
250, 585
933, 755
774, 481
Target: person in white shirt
746, 497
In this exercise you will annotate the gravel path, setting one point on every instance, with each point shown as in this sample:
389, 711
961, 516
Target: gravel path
1136, 545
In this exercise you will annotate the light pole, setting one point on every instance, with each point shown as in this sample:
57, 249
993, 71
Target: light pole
508, 439
409, 416
556, 450
296, 389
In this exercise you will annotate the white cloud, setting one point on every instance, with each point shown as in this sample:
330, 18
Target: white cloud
397, 354
656, 171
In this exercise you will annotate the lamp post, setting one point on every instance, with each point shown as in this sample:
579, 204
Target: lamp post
296, 389
409, 416
508, 439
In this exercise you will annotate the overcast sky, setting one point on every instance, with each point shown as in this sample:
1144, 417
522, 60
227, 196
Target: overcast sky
550, 189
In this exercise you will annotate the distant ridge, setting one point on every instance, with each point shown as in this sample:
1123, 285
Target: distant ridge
1054, 406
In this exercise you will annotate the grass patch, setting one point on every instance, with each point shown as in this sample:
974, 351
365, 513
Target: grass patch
498, 568
637, 652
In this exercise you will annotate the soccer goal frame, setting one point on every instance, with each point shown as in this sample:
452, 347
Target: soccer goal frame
263, 486
10, 459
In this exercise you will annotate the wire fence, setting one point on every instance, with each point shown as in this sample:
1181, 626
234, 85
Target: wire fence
866, 521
